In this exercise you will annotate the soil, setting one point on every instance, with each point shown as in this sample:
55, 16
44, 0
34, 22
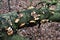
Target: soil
46, 31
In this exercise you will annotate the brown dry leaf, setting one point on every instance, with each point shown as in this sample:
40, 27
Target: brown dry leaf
35, 15
53, 7
32, 21
21, 15
44, 21
36, 19
17, 20
31, 7
10, 32
22, 24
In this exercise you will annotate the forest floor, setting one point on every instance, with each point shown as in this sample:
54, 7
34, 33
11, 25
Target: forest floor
46, 31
